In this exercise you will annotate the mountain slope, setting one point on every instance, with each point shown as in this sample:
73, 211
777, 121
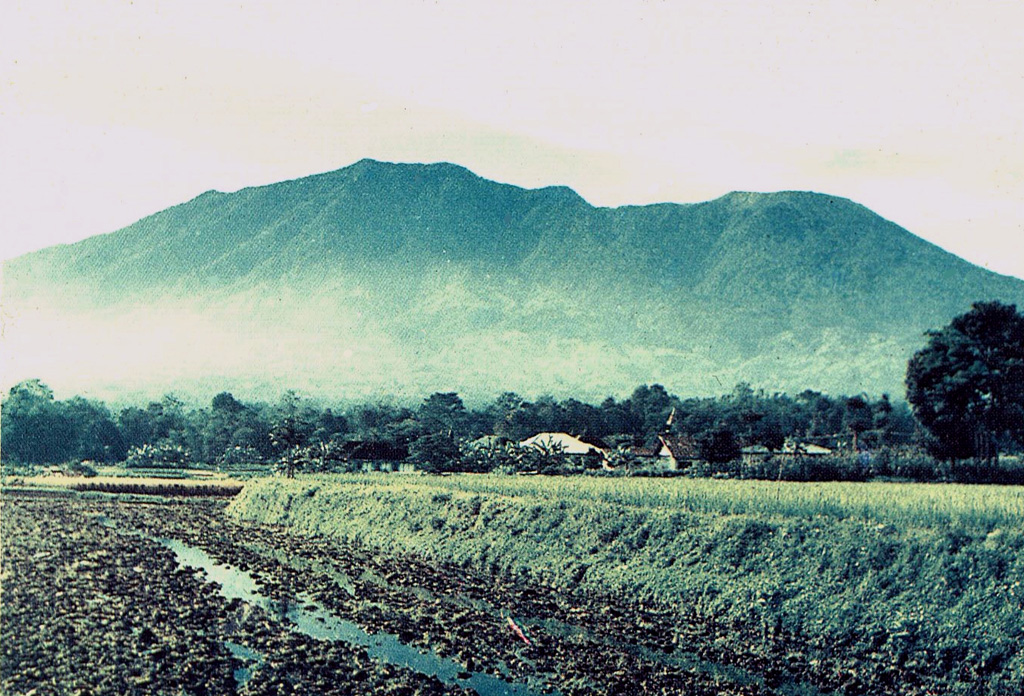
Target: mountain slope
412, 278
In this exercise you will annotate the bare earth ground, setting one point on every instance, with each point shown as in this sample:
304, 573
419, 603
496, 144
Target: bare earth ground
90, 606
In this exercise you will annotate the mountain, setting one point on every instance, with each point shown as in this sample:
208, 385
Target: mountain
406, 279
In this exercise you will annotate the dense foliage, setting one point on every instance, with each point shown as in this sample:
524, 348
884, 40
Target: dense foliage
39, 429
967, 384
870, 438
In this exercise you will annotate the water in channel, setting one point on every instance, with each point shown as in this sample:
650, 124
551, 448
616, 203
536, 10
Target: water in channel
251, 658
313, 620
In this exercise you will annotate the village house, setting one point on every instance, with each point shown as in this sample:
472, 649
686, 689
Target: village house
563, 443
375, 456
647, 454
677, 451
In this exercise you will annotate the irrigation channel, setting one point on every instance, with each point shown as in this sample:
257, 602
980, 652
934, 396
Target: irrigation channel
309, 618
271, 586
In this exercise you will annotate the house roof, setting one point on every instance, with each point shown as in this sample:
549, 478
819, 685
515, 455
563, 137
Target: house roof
678, 447
563, 442
376, 451
653, 448
595, 441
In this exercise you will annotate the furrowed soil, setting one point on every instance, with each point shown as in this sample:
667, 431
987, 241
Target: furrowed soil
93, 603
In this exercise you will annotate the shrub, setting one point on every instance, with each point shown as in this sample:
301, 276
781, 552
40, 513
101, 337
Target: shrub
240, 455
512, 459
81, 469
436, 453
319, 458
161, 455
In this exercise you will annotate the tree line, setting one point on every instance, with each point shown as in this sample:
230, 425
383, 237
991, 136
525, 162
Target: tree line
39, 429
965, 400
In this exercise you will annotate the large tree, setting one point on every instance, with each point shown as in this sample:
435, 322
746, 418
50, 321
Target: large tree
36, 428
966, 385
442, 413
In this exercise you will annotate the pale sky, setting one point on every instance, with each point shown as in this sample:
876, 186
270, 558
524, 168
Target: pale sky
110, 111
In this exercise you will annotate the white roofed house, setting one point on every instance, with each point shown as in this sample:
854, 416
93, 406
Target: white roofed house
754, 454
567, 445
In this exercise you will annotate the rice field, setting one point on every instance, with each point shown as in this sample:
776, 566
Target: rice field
904, 505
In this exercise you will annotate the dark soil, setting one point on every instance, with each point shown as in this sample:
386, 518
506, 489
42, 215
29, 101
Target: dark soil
89, 606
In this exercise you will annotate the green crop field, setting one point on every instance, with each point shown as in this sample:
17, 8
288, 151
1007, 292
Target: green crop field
901, 504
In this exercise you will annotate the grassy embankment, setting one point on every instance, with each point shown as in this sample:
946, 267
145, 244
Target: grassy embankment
926, 578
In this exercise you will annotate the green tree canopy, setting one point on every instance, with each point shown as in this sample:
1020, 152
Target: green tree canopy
966, 385
442, 413
227, 403
718, 446
96, 435
35, 427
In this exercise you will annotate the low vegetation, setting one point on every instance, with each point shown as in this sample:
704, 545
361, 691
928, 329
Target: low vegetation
202, 490
441, 434
908, 505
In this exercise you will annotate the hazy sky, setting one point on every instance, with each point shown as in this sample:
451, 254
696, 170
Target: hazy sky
114, 110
